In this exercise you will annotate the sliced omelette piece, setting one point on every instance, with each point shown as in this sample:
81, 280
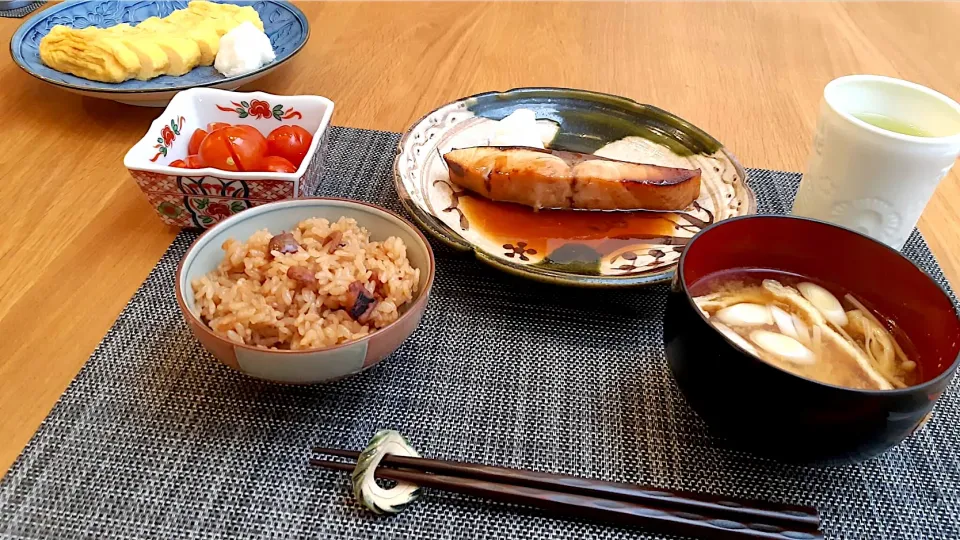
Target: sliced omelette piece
207, 22
203, 7
207, 38
248, 14
237, 14
172, 45
205, 31
88, 53
156, 24
183, 52
153, 59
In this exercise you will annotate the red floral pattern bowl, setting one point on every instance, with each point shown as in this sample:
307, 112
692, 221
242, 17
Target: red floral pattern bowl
200, 198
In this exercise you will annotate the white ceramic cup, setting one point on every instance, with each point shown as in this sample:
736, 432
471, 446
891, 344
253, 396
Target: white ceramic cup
869, 179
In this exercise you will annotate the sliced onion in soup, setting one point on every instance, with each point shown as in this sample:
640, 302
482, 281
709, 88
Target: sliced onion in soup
745, 314
803, 331
825, 302
735, 337
784, 322
784, 347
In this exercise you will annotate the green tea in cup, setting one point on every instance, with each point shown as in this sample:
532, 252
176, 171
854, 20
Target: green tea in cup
888, 123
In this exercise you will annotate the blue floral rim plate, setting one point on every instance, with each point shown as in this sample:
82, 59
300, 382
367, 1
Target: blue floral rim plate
284, 23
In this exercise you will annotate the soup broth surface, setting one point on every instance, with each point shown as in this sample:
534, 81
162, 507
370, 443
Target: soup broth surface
809, 328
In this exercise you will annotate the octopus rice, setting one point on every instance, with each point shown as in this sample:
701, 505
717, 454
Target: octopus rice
318, 285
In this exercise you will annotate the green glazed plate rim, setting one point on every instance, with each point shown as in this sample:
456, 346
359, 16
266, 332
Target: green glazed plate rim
443, 233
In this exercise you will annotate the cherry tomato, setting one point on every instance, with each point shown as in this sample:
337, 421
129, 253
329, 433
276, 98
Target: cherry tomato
195, 162
233, 149
291, 142
215, 150
277, 164
178, 163
253, 131
213, 126
195, 141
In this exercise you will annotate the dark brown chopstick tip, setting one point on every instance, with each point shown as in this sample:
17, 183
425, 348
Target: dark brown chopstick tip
336, 452
338, 465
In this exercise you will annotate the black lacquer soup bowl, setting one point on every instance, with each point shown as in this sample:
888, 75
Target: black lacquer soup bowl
769, 411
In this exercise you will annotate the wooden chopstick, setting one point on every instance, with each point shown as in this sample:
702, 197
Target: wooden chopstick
627, 513
647, 509
803, 516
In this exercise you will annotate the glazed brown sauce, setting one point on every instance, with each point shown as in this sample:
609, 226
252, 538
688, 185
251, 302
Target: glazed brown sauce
548, 230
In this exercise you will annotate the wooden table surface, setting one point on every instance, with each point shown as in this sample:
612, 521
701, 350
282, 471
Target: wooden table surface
79, 238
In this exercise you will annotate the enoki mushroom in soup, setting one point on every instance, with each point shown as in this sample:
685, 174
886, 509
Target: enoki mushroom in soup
802, 327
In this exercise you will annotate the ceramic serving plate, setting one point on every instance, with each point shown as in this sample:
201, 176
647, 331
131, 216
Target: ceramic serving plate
286, 26
580, 248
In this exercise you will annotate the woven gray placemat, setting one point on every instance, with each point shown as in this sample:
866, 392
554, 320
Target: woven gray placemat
155, 440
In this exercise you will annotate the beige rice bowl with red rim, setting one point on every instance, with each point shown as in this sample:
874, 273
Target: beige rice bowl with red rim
317, 285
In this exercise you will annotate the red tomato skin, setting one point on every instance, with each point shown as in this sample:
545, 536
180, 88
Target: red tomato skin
253, 131
215, 152
248, 145
291, 142
195, 141
178, 163
213, 126
195, 162
277, 164
234, 149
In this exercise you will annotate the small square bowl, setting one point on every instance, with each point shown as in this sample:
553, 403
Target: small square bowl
200, 198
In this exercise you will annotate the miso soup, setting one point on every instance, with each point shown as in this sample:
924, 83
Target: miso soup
808, 328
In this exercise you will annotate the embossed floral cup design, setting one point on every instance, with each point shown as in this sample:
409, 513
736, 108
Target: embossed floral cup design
869, 179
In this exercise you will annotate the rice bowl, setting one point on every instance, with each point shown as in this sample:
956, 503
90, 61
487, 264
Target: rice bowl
277, 335
302, 299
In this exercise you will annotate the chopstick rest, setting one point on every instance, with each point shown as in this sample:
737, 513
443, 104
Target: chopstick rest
365, 488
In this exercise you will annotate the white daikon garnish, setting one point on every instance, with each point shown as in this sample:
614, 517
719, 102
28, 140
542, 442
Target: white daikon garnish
783, 346
243, 50
784, 322
825, 302
518, 129
745, 314
735, 337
